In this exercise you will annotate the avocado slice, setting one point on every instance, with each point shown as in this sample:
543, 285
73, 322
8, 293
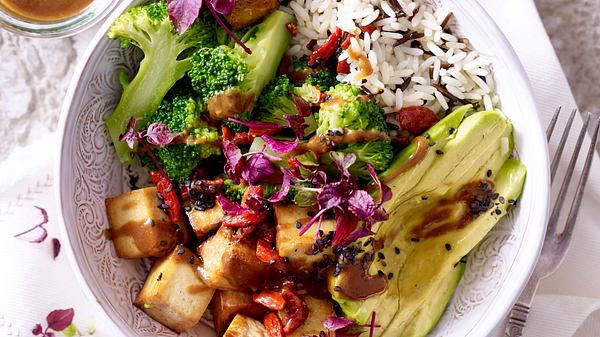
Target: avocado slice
478, 151
434, 307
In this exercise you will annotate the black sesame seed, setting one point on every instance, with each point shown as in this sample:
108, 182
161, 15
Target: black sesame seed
451, 130
424, 197
501, 199
159, 277
339, 133
380, 273
511, 201
414, 239
321, 232
488, 173
498, 211
448, 247
390, 275
192, 260
427, 136
337, 288
431, 143
162, 243
438, 151
180, 251
298, 224
397, 250
380, 256
187, 208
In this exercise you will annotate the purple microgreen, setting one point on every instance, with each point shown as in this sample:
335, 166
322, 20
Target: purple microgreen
319, 178
357, 234
37, 330
345, 224
280, 146
265, 126
153, 158
333, 323
223, 7
254, 201
55, 248
302, 105
229, 206
332, 195
385, 193
235, 160
372, 326
183, 13
343, 161
283, 191
296, 123
257, 168
309, 224
159, 134
287, 172
261, 150
44, 234
226, 28
361, 204
130, 136
60, 319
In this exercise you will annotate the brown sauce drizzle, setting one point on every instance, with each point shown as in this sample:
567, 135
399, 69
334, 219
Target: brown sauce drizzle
471, 200
356, 284
364, 65
422, 147
229, 104
152, 237
322, 143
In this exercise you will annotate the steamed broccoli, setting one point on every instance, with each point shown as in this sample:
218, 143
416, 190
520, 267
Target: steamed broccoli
229, 79
348, 109
323, 79
181, 113
276, 101
235, 192
167, 57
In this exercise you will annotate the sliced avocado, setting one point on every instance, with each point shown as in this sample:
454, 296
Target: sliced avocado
479, 150
434, 307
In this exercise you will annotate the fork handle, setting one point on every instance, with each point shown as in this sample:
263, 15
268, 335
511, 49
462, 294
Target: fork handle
516, 320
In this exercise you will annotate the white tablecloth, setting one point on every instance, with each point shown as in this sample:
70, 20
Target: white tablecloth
33, 75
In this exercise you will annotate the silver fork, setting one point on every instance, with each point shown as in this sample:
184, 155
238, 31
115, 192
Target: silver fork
555, 243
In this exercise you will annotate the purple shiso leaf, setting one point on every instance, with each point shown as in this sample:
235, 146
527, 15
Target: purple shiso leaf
345, 224
37, 330
44, 233
224, 7
291, 176
257, 168
332, 195
384, 190
296, 123
130, 136
343, 161
258, 125
59, 320
183, 13
159, 134
280, 146
361, 204
55, 248
225, 28
333, 323
319, 179
254, 201
262, 151
234, 158
230, 206
283, 191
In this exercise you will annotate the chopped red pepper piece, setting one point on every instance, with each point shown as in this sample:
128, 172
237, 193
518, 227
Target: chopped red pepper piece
343, 67
266, 253
368, 29
166, 188
284, 65
269, 299
324, 53
296, 311
273, 325
416, 119
346, 43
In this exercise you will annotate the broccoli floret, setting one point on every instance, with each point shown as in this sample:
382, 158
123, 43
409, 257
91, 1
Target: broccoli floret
322, 79
276, 101
235, 192
181, 113
298, 64
167, 57
229, 79
309, 93
377, 153
348, 109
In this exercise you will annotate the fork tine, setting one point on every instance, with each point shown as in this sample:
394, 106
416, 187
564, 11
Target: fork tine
561, 145
552, 124
552, 224
567, 233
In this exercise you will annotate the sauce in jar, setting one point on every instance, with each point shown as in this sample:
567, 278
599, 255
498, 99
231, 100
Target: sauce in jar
44, 10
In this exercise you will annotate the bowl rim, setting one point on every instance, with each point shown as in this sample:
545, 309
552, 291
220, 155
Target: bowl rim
493, 318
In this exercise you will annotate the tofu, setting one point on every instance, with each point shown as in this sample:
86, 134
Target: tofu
231, 264
319, 310
204, 222
289, 243
226, 304
248, 12
243, 326
173, 293
138, 228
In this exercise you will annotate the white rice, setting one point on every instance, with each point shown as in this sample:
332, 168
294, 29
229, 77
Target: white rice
438, 59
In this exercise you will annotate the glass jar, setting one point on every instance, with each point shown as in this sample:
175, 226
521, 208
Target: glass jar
74, 24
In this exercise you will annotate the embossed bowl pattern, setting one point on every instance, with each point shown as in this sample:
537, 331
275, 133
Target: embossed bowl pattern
88, 172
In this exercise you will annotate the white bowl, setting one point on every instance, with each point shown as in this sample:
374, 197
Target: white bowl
88, 172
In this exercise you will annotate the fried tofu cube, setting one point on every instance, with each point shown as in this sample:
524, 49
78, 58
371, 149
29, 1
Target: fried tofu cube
226, 304
204, 222
319, 310
249, 12
243, 326
174, 294
288, 241
138, 227
230, 264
